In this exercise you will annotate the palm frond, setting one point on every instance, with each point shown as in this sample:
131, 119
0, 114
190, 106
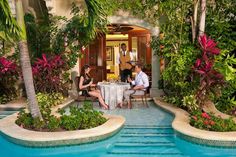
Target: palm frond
9, 28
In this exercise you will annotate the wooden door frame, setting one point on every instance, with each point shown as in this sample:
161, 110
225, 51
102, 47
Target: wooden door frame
143, 33
85, 60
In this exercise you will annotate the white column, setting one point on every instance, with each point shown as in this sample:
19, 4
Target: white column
155, 91
74, 72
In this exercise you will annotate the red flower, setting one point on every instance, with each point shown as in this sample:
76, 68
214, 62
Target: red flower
212, 122
206, 122
208, 45
195, 118
205, 115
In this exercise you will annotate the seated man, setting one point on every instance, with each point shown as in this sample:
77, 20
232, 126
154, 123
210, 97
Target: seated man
140, 85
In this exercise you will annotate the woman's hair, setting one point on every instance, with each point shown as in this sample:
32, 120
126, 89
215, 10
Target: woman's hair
82, 72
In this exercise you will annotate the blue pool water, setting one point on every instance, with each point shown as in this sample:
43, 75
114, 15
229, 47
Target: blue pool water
147, 133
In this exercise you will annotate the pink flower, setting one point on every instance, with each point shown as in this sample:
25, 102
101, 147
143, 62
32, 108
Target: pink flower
195, 118
208, 45
212, 123
206, 122
205, 115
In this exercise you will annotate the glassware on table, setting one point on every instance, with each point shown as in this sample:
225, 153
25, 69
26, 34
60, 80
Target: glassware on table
119, 79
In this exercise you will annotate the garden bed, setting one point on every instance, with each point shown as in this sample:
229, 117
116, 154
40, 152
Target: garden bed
19, 135
25, 137
181, 125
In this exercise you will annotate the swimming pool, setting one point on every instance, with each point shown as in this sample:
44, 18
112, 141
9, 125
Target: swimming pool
147, 132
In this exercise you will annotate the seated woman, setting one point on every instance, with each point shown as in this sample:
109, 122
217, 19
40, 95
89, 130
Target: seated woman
86, 82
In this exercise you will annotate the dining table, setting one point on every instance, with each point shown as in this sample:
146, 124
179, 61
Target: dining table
113, 93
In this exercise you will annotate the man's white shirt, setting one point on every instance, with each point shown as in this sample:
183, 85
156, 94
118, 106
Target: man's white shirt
141, 79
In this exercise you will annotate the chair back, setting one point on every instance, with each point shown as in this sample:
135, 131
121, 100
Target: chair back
77, 78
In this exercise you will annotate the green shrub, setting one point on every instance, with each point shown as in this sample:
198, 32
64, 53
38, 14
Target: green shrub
79, 118
190, 103
82, 118
53, 123
70, 122
24, 119
227, 101
38, 124
207, 121
6, 98
47, 101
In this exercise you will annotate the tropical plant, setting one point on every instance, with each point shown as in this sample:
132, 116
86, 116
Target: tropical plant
190, 102
9, 74
48, 74
47, 101
210, 80
9, 30
177, 74
82, 118
227, 101
40, 32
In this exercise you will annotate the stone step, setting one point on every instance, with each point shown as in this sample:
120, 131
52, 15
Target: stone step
143, 155
147, 150
169, 138
148, 126
150, 130
148, 135
152, 144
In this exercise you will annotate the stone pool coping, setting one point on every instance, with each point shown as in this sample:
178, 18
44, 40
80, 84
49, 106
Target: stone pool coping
183, 129
25, 137
14, 104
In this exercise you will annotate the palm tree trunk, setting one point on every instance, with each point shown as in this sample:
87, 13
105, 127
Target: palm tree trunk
25, 64
202, 18
194, 19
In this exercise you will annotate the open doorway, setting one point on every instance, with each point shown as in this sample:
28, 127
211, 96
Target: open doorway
102, 53
137, 40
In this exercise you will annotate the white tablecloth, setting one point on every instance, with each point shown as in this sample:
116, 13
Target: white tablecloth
113, 93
